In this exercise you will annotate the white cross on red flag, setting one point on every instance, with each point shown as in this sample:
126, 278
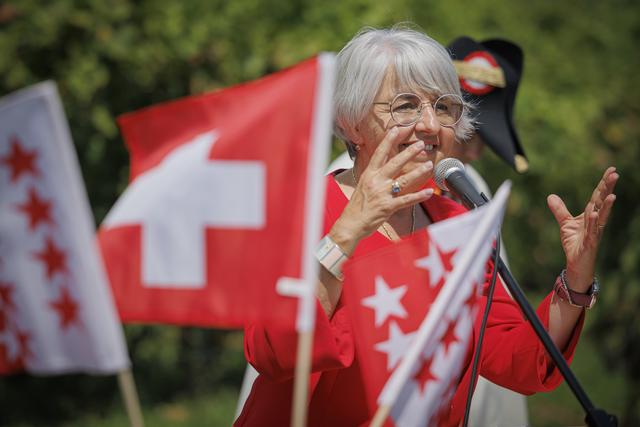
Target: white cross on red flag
224, 201
56, 310
431, 281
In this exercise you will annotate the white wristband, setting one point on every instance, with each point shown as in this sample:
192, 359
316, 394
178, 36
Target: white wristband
331, 256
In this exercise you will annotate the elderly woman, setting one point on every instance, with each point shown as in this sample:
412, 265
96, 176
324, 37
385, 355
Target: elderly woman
399, 110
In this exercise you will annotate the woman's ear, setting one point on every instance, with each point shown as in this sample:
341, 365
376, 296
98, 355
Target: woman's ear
356, 141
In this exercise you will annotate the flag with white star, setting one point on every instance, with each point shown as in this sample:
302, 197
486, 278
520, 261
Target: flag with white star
56, 309
395, 292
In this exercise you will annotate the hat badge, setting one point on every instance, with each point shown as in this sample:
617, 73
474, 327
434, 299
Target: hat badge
479, 73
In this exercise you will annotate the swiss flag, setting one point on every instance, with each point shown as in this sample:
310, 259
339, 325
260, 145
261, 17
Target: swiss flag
429, 284
217, 211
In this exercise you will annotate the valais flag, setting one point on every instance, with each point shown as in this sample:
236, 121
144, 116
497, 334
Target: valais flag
224, 201
56, 309
413, 305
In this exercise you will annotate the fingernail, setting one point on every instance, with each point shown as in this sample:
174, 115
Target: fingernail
418, 146
427, 192
429, 165
394, 131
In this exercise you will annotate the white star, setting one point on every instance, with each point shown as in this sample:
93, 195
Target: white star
396, 346
386, 301
433, 264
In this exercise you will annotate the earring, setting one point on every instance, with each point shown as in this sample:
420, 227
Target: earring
357, 147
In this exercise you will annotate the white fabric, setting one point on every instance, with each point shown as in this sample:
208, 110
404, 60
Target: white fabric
343, 161
59, 313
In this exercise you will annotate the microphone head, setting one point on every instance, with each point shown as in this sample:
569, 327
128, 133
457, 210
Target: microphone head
444, 169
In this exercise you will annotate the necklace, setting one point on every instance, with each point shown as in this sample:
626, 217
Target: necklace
413, 209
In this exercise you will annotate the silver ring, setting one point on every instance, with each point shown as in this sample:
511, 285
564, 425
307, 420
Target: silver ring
395, 188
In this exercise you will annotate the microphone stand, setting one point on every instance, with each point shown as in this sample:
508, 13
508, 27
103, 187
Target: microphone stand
595, 417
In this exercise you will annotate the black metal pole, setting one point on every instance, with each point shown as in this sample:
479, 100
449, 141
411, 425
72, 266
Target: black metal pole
595, 417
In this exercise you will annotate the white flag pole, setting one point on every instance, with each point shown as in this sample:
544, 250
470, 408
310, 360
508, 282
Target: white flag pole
130, 397
305, 289
425, 334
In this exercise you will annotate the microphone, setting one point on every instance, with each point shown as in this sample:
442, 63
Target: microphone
451, 176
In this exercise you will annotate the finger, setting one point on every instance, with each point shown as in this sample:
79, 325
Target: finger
611, 180
417, 174
381, 153
591, 225
558, 208
395, 164
588, 211
595, 201
605, 187
410, 199
603, 214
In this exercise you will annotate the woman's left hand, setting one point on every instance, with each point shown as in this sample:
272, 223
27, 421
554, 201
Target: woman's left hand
580, 235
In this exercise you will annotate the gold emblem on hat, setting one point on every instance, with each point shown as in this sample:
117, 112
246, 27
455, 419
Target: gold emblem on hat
493, 76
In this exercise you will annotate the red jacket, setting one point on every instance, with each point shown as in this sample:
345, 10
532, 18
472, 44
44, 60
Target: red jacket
512, 355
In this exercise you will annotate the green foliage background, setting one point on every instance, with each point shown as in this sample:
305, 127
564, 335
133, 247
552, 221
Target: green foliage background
577, 112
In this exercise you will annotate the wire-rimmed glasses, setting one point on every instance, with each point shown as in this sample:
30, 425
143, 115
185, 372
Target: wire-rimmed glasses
406, 108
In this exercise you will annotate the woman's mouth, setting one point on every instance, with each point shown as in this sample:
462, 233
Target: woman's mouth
427, 147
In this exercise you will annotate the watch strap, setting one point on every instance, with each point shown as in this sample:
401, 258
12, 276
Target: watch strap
577, 299
331, 256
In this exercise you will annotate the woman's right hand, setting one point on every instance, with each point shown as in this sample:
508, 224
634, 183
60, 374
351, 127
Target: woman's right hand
372, 202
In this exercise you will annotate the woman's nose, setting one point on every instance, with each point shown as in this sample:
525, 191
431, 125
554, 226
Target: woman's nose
428, 121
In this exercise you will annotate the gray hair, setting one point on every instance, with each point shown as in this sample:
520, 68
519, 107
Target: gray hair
418, 61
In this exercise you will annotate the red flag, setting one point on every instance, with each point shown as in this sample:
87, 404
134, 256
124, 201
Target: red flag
215, 212
56, 311
391, 292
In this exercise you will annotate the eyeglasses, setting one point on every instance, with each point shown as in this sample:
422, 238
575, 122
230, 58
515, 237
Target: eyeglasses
406, 108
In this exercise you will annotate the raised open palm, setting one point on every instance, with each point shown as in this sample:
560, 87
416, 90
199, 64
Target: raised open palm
580, 235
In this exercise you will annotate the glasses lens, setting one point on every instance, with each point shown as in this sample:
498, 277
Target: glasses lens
405, 108
448, 109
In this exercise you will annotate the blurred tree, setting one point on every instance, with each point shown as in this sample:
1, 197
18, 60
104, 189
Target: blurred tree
577, 112
618, 322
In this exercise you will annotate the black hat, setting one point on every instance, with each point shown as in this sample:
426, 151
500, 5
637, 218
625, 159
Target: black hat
489, 73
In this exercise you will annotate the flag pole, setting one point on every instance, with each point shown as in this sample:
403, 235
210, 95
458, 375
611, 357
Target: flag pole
316, 163
301, 379
130, 397
381, 415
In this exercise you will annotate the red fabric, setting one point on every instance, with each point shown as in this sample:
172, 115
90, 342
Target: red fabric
512, 355
266, 123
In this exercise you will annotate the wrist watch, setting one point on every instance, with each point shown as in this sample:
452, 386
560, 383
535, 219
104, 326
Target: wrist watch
576, 299
330, 256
